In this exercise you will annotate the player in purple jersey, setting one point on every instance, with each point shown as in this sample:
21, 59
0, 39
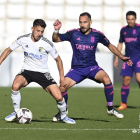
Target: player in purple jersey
130, 35
84, 43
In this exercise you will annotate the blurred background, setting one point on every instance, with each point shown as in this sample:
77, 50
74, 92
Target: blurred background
17, 16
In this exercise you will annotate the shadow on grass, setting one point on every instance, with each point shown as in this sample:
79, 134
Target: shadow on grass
130, 107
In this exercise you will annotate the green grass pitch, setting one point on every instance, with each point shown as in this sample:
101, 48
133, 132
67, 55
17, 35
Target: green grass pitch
86, 105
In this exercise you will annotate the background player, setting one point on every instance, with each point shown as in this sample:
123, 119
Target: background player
130, 35
35, 68
84, 43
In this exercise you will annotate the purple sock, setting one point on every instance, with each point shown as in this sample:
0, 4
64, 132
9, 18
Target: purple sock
109, 94
124, 93
65, 95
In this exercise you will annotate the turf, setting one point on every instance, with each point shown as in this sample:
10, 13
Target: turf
86, 105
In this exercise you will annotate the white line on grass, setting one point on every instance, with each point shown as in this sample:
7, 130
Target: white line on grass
67, 129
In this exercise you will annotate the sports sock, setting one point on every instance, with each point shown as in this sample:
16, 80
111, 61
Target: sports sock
16, 97
62, 108
109, 95
65, 95
124, 93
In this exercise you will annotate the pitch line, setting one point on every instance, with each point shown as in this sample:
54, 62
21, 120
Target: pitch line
67, 129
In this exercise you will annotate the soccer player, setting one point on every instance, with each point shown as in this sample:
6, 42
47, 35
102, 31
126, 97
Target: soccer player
84, 43
35, 69
130, 35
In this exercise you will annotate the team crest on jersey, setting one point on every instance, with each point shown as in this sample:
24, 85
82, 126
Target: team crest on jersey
92, 39
40, 49
134, 31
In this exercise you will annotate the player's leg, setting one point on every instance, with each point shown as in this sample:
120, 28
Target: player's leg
61, 105
67, 83
127, 73
124, 92
103, 77
138, 78
72, 77
18, 83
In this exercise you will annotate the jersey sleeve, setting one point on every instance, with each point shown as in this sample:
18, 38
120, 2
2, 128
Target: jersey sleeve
103, 39
121, 39
53, 52
67, 36
15, 44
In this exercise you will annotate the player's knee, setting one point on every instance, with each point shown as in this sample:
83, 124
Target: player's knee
15, 86
62, 89
59, 98
138, 81
106, 80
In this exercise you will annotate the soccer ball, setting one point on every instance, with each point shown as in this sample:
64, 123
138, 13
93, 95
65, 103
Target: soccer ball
24, 115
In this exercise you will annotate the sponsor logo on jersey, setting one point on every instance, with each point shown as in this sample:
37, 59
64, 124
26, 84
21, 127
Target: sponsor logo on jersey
36, 56
83, 47
131, 39
92, 39
40, 49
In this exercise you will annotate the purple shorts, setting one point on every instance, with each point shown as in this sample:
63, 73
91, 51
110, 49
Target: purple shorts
79, 74
128, 70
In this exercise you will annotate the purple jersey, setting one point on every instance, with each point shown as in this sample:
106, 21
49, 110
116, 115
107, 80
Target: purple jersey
84, 46
131, 37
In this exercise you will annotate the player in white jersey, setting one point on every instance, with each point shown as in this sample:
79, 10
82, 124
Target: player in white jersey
35, 69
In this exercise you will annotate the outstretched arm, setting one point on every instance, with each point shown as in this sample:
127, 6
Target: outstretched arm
60, 69
57, 25
4, 55
119, 47
114, 50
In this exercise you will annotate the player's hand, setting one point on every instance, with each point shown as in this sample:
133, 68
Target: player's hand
57, 25
62, 82
127, 60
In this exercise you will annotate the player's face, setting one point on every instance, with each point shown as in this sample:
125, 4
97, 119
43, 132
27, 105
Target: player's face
37, 32
85, 23
131, 20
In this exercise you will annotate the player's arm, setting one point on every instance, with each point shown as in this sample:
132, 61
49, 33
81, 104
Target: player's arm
60, 69
57, 25
114, 50
4, 55
119, 47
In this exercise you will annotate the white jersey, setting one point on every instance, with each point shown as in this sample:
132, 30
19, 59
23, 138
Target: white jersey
35, 53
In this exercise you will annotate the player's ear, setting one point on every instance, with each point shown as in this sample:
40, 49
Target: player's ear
90, 22
32, 28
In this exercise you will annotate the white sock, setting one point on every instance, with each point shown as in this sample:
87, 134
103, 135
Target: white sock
62, 108
16, 97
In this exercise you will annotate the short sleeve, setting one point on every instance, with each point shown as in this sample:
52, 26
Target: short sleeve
121, 39
103, 39
15, 44
67, 36
53, 52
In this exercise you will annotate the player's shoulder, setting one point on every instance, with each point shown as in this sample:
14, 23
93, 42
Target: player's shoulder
45, 40
124, 27
137, 25
96, 31
23, 36
73, 30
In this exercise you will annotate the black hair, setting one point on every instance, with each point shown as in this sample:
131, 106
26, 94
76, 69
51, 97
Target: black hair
86, 14
131, 13
39, 22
